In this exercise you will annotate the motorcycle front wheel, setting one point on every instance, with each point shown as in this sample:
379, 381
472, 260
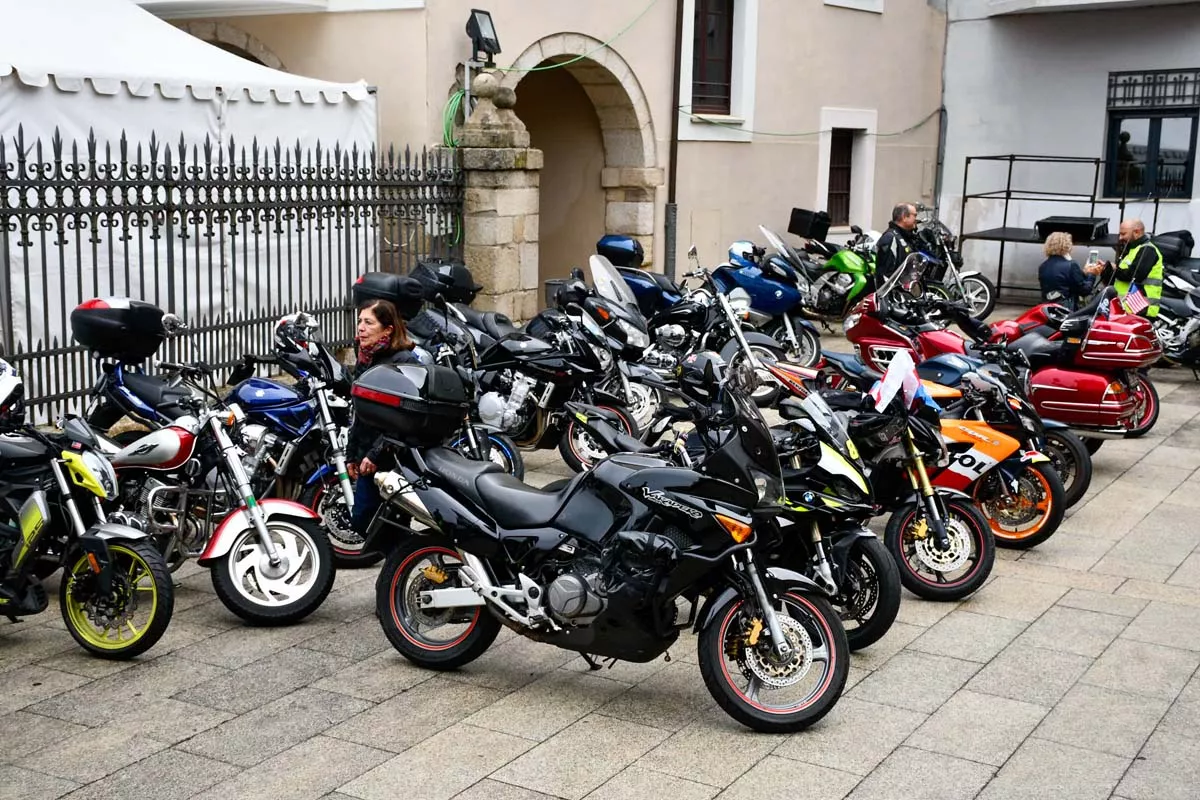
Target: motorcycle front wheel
768, 390
580, 451
753, 685
1028, 515
1072, 462
979, 294
132, 615
326, 500
934, 574
263, 594
807, 352
869, 595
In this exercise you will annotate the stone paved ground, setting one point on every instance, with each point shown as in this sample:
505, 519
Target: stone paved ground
1072, 674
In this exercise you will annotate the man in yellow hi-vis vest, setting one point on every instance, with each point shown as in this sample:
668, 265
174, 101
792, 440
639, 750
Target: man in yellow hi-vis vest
1139, 267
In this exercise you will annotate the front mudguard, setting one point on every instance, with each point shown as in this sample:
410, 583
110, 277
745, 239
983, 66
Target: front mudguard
842, 543
776, 580
94, 544
234, 525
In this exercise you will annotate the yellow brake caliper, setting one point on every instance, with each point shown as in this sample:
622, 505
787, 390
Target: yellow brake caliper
434, 574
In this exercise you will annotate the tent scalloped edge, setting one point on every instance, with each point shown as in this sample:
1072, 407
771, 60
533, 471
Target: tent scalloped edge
332, 93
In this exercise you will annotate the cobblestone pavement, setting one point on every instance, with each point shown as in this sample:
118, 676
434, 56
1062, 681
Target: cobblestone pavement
1072, 674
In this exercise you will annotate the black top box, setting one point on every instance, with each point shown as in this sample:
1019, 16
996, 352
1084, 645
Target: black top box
129, 331
449, 278
809, 224
405, 293
417, 404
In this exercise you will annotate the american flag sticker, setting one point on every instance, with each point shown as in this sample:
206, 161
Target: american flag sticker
1134, 301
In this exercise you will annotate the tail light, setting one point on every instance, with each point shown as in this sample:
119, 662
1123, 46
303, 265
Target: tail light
1116, 390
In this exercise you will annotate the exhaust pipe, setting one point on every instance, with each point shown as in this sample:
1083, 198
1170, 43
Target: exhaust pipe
395, 489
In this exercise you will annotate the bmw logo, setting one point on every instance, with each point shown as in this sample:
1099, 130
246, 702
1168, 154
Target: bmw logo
809, 497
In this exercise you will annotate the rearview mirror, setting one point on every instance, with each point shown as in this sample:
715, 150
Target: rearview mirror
857, 231
577, 273
692, 252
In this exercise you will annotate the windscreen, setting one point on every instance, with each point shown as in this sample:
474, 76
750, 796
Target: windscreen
609, 283
783, 248
824, 417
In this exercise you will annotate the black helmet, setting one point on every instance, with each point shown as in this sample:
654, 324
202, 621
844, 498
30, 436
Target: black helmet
570, 291
12, 398
700, 375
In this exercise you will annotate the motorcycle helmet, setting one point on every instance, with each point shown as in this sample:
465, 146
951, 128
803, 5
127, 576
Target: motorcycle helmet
294, 332
741, 253
700, 375
572, 290
12, 398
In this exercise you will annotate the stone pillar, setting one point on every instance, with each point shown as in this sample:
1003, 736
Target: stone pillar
500, 207
629, 203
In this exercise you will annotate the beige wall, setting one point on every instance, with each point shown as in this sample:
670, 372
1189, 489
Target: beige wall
562, 124
809, 56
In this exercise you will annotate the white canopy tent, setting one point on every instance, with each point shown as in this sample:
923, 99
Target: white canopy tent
109, 69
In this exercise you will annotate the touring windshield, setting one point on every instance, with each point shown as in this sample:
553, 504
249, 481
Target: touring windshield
907, 276
783, 248
609, 283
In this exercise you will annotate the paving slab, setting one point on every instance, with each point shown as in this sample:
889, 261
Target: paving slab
1049, 769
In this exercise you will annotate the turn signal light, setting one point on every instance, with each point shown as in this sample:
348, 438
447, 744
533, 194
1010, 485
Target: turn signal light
737, 529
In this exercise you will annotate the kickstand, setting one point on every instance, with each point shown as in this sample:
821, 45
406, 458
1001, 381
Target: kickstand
12, 619
591, 662
1195, 374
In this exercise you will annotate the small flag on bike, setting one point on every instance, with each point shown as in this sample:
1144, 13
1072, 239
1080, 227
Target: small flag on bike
901, 374
1134, 301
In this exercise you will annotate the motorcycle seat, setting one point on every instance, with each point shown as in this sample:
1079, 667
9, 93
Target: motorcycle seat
849, 363
461, 472
1176, 305
492, 323
157, 393
1037, 348
517, 505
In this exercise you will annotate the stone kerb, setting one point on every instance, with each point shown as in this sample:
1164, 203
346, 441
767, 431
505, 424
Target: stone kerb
500, 206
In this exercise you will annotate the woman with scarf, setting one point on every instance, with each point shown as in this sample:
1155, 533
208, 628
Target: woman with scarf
382, 339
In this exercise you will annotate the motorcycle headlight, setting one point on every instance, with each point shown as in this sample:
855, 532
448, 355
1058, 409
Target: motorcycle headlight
103, 472
769, 487
851, 321
603, 355
635, 337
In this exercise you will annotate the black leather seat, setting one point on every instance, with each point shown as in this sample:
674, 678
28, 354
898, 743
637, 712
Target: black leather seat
1177, 305
515, 505
1037, 348
157, 393
855, 371
462, 473
498, 325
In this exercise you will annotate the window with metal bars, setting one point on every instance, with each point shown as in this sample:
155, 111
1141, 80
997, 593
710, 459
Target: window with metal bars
841, 151
712, 57
1152, 125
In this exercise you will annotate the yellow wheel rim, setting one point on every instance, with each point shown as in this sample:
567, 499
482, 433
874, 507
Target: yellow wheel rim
130, 573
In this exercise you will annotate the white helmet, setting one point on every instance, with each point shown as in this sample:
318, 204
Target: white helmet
12, 398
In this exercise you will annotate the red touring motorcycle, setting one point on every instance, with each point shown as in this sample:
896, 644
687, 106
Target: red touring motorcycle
1082, 365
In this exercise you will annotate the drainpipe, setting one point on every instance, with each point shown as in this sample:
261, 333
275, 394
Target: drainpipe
671, 223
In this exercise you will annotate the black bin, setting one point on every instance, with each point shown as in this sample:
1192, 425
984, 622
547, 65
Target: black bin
405, 293
449, 278
129, 331
809, 224
417, 404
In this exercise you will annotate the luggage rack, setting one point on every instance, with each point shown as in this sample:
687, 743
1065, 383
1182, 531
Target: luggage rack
1005, 234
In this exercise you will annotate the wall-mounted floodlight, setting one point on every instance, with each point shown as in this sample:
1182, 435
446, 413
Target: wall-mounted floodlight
483, 36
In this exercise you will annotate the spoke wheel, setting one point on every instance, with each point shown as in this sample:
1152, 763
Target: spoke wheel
132, 615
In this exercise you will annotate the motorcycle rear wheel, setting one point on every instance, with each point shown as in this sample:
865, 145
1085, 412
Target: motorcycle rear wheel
578, 449
429, 561
727, 661
140, 579
980, 295
1147, 410
501, 450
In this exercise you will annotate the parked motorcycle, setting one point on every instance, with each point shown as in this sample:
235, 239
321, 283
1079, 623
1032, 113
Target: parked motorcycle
599, 567
946, 276
1084, 373
115, 594
270, 560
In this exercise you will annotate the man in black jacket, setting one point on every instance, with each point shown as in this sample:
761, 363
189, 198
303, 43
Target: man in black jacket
897, 242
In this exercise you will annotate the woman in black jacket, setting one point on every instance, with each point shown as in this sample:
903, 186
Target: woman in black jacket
382, 339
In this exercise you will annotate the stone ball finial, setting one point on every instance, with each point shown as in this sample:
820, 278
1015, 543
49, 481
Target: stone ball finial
485, 85
506, 97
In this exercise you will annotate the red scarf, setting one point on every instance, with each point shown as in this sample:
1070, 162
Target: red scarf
367, 353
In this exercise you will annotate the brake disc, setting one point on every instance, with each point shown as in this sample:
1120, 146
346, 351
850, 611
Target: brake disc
763, 662
954, 556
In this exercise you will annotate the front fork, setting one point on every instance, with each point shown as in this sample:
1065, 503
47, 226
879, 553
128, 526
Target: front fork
778, 641
233, 462
335, 447
98, 558
919, 478
791, 334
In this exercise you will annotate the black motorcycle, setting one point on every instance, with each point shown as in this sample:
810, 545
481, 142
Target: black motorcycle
601, 566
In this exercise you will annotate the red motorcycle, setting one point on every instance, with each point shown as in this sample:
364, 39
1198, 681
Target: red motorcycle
1082, 365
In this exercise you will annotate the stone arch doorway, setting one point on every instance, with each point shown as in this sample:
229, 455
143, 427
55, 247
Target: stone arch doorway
233, 40
592, 122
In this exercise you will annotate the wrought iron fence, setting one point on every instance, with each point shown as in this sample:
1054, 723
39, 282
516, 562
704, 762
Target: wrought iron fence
228, 237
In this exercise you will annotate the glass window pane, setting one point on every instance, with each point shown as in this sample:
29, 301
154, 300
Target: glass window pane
1133, 140
1174, 155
